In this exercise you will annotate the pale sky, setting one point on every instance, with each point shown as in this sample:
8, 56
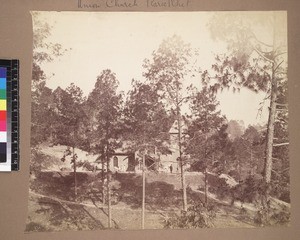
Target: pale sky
120, 41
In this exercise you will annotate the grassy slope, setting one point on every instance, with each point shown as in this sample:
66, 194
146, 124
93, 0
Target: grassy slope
52, 194
162, 198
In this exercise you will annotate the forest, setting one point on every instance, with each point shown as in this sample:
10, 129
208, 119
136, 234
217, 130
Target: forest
219, 172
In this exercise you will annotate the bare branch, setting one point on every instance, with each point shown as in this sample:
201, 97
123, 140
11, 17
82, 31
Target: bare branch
284, 170
278, 66
280, 144
263, 129
260, 54
182, 99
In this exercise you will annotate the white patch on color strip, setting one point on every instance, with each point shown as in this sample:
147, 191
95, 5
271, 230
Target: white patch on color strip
3, 136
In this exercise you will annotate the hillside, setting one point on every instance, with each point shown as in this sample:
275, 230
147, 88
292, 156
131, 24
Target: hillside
162, 199
55, 153
53, 205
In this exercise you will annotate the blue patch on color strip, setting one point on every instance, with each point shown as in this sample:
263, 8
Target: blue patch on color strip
2, 83
2, 72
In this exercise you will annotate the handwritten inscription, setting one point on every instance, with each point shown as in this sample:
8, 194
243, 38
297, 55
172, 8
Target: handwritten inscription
168, 3
89, 4
121, 3
92, 4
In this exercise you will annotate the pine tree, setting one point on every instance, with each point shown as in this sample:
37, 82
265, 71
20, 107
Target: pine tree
252, 63
70, 123
205, 121
167, 71
147, 124
106, 120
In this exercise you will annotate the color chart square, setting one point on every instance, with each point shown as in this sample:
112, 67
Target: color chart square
3, 152
2, 157
3, 72
2, 93
2, 104
3, 148
3, 137
2, 115
2, 83
3, 126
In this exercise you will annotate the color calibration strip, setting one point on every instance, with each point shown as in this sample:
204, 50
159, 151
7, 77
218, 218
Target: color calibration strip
9, 115
3, 115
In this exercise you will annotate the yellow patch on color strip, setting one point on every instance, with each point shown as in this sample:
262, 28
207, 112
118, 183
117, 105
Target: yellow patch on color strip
2, 104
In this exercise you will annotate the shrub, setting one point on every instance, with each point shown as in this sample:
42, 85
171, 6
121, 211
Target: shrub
250, 190
281, 217
197, 216
219, 187
269, 216
35, 227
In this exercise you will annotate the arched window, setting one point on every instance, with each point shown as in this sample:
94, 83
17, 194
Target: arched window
116, 161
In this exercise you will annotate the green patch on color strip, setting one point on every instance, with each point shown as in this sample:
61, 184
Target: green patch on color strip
2, 93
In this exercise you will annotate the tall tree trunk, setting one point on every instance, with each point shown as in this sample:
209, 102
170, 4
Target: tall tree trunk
270, 133
103, 178
205, 186
184, 196
251, 160
272, 111
239, 169
205, 170
75, 175
108, 176
271, 121
143, 194
269, 151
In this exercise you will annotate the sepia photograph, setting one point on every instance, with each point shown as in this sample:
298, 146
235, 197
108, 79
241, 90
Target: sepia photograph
159, 120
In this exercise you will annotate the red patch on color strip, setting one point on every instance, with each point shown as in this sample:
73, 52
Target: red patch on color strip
2, 115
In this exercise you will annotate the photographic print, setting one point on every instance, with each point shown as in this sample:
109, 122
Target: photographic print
159, 120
